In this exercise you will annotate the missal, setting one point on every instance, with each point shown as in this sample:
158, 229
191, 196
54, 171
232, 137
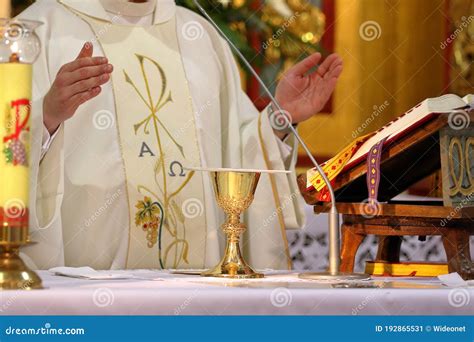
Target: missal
357, 151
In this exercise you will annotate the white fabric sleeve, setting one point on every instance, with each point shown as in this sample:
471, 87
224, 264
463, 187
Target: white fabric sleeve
47, 140
286, 151
289, 150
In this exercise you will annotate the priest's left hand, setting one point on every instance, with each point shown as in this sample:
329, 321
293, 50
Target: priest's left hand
304, 94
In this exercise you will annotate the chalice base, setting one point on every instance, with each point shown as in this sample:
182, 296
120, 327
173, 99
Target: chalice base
336, 277
14, 274
232, 271
232, 265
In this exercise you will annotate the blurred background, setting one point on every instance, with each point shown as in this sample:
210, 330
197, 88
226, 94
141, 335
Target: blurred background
396, 53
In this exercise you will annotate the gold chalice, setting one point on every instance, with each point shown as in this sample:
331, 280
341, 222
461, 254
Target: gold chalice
234, 190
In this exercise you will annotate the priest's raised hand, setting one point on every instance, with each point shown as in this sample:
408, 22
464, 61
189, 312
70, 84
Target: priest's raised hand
76, 83
303, 92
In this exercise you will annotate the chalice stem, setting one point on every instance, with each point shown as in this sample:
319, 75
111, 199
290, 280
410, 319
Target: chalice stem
233, 230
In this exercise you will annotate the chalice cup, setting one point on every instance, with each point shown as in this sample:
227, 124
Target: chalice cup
234, 192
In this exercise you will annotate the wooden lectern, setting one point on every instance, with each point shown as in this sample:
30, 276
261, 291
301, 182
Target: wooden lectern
435, 145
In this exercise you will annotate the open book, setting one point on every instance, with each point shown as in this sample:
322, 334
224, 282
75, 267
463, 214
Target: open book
399, 127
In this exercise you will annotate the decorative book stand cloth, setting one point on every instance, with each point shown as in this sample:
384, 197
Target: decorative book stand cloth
435, 145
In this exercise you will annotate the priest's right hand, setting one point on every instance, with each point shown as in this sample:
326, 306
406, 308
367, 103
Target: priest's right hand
76, 83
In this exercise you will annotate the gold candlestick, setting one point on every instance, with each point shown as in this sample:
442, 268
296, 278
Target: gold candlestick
14, 274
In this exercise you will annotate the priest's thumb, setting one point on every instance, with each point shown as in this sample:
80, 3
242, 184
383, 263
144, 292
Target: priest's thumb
86, 51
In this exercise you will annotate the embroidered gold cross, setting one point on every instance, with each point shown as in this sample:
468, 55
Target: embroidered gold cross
154, 108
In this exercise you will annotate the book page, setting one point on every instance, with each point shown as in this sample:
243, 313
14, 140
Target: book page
442, 104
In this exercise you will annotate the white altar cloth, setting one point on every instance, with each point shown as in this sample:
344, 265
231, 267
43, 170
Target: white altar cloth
281, 293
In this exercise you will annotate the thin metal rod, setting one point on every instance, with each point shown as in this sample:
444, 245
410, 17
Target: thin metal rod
334, 234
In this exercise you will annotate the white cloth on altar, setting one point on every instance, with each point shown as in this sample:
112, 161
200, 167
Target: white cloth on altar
280, 293
78, 206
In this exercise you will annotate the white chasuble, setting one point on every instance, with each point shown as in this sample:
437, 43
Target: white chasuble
85, 189
157, 133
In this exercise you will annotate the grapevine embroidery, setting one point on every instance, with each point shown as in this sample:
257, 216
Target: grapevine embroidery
15, 141
149, 216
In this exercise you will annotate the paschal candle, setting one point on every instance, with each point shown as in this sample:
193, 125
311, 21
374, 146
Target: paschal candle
15, 110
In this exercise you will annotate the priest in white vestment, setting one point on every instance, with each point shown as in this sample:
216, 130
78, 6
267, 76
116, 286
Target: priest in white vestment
156, 90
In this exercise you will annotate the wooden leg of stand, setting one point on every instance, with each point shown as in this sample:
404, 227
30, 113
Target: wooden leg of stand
389, 248
456, 245
350, 245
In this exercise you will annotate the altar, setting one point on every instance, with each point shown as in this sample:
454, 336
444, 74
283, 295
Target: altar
279, 293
